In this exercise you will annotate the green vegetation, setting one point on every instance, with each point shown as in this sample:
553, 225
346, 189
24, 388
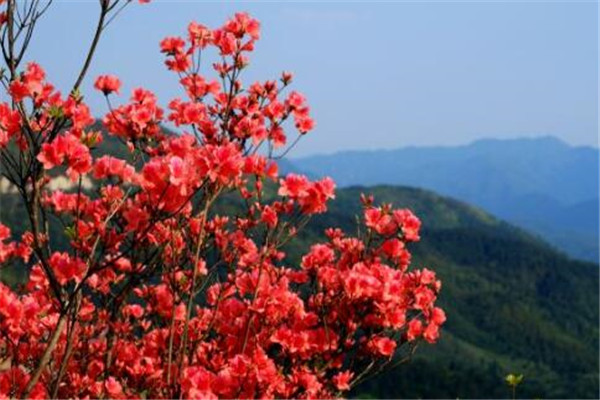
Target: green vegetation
513, 381
513, 304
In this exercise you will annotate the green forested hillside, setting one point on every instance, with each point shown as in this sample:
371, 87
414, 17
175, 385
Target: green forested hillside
513, 304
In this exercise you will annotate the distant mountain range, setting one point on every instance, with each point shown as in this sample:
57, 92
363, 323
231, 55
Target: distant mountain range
541, 184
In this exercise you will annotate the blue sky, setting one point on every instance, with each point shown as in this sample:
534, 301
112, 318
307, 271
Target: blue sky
377, 74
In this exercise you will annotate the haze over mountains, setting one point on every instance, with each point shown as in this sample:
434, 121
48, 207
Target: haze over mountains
541, 184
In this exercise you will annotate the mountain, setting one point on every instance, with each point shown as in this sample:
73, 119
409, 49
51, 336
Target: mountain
514, 304
541, 184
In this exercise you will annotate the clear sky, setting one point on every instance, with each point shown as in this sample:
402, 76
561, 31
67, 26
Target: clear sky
377, 74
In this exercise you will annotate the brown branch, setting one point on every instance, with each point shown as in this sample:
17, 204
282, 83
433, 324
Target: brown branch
95, 40
35, 376
69, 349
188, 315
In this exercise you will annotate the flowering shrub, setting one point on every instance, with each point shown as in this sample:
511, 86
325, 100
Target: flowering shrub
157, 295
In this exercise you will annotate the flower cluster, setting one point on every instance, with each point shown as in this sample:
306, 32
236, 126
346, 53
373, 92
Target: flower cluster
174, 282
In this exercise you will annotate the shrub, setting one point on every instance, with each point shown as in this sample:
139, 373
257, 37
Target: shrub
157, 295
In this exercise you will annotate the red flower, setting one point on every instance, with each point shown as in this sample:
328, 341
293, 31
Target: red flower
66, 268
66, 148
293, 186
286, 77
172, 45
106, 166
107, 84
383, 346
438, 316
342, 380
114, 388
269, 217
431, 333
18, 90
199, 35
304, 125
380, 221
410, 224
415, 328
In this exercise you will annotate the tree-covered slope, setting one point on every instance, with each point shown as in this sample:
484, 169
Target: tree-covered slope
513, 304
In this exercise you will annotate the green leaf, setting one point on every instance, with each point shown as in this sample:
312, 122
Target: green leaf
70, 232
76, 95
513, 380
56, 112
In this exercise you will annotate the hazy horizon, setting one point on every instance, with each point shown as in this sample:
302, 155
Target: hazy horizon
377, 75
448, 146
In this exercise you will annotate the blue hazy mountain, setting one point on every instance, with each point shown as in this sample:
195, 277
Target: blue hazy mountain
541, 184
